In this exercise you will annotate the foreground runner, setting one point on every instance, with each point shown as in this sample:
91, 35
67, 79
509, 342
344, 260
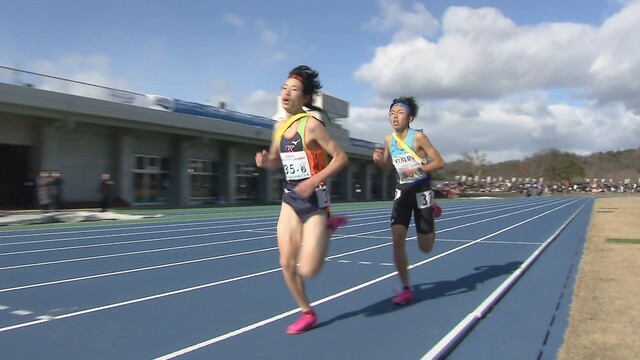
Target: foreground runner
300, 144
414, 158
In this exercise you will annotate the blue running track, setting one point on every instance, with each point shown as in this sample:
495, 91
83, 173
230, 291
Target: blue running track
206, 284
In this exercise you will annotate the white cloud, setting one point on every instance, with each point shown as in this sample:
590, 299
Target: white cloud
234, 20
482, 54
489, 84
267, 36
510, 128
269, 44
406, 24
92, 68
615, 71
84, 71
262, 39
262, 103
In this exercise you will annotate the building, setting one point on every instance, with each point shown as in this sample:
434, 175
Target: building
159, 151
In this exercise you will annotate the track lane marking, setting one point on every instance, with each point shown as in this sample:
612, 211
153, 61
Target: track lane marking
42, 319
339, 294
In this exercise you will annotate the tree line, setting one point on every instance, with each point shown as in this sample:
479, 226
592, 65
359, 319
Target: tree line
551, 164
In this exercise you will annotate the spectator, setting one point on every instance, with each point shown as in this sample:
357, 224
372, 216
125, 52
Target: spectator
55, 190
30, 192
42, 185
106, 190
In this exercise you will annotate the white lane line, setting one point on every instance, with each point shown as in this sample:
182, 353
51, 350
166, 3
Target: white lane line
337, 295
43, 319
186, 262
414, 238
221, 223
529, 208
507, 242
501, 242
439, 231
526, 206
22, 312
133, 301
266, 230
200, 260
457, 332
211, 244
129, 241
136, 252
268, 320
2, 307
217, 223
365, 263
64, 248
170, 221
22, 287
119, 228
168, 248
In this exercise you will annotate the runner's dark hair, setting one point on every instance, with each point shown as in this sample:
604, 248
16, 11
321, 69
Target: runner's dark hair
409, 101
311, 85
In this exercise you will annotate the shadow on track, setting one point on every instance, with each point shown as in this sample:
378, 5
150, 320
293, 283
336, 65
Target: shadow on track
428, 291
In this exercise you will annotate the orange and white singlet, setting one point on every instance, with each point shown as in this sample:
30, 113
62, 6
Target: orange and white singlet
298, 161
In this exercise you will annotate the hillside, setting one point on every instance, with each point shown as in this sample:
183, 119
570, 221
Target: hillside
616, 165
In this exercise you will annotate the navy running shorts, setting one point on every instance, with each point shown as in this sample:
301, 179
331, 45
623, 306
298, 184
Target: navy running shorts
405, 204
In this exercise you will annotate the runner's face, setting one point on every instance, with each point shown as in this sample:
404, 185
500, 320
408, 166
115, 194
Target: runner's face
292, 96
399, 118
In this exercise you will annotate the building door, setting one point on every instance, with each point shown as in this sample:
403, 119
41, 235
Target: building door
17, 190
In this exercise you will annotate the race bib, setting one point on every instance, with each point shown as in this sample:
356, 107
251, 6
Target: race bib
323, 197
296, 165
424, 199
404, 163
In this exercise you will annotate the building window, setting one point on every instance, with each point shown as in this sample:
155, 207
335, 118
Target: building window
356, 185
151, 182
246, 181
334, 187
205, 180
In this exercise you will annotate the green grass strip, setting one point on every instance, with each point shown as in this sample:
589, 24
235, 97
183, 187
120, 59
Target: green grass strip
623, 241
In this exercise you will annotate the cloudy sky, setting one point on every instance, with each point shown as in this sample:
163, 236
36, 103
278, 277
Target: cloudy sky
503, 77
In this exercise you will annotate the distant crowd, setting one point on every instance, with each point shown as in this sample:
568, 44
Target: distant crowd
45, 191
535, 188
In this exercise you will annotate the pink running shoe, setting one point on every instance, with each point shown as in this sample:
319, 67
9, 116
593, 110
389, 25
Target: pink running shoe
403, 298
437, 210
306, 322
335, 221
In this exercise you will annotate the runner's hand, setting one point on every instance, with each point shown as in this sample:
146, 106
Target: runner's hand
377, 156
305, 188
262, 158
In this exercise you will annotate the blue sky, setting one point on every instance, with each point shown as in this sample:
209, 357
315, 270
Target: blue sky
507, 78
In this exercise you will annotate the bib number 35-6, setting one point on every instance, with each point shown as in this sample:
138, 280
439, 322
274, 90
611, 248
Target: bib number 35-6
424, 199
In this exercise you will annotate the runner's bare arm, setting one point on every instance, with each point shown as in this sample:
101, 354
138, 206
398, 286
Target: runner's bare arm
382, 157
424, 147
317, 132
271, 159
